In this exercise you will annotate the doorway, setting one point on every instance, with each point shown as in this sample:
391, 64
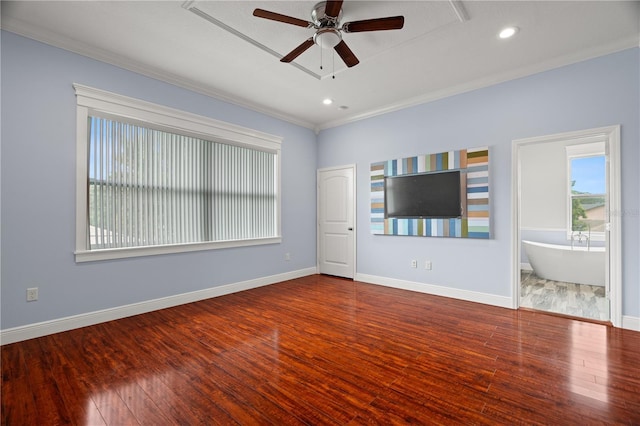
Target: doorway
564, 259
337, 221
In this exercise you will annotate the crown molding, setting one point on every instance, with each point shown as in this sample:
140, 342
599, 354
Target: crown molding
21, 28
24, 29
558, 62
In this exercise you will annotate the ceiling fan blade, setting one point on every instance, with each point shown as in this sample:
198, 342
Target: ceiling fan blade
261, 13
346, 54
378, 24
333, 7
298, 50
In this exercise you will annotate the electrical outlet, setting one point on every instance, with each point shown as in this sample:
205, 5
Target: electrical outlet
287, 256
32, 294
427, 265
414, 263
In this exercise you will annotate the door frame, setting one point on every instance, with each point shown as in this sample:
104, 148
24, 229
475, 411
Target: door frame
611, 135
354, 218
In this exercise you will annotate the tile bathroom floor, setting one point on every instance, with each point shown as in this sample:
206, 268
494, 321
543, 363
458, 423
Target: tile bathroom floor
578, 300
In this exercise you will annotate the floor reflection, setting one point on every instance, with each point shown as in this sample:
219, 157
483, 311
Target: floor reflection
589, 361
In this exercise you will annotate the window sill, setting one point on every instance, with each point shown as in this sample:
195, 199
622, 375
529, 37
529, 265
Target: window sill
123, 253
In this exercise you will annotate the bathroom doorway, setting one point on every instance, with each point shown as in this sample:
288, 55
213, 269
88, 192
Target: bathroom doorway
566, 241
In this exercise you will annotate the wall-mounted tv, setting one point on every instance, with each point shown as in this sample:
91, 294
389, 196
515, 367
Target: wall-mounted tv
424, 195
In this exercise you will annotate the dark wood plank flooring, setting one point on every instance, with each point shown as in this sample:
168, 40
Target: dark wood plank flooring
322, 350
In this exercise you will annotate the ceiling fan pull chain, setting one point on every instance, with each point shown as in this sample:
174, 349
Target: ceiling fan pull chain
333, 65
321, 58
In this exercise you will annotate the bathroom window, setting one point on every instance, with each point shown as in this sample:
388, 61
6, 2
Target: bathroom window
587, 191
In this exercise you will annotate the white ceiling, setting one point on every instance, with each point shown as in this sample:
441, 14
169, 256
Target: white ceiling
220, 49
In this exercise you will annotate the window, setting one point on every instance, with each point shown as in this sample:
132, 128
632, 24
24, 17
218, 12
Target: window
587, 190
155, 180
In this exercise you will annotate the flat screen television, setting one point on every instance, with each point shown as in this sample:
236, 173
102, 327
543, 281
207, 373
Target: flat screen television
424, 195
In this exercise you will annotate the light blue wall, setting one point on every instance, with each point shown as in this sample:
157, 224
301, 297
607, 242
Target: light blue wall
38, 193
38, 180
599, 92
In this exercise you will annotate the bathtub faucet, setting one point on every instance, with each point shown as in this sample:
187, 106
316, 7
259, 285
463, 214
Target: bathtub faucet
580, 237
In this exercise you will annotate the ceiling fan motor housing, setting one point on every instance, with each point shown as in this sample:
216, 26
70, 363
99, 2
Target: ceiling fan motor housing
320, 18
328, 35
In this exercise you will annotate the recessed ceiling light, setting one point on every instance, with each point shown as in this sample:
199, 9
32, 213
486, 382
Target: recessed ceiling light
508, 32
327, 101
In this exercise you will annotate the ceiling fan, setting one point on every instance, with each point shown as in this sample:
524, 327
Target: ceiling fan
325, 18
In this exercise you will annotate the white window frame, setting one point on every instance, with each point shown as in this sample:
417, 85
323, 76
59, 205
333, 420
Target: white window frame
96, 101
589, 147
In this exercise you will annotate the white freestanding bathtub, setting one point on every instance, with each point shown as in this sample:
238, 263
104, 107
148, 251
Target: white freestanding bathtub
564, 263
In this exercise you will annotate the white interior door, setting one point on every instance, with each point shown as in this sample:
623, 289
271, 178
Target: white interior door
336, 221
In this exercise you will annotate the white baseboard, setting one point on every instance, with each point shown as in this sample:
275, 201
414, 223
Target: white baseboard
631, 323
30, 331
628, 322
455, 293
526, 266
44, 328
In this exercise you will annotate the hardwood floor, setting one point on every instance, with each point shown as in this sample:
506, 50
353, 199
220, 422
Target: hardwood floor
321, 350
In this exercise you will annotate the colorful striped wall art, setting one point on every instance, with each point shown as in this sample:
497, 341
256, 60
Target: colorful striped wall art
475, 222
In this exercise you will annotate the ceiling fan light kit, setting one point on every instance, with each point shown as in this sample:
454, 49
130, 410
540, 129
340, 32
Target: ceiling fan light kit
327, 38
325, 18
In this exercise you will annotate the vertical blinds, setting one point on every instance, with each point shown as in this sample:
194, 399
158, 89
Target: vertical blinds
149, 187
